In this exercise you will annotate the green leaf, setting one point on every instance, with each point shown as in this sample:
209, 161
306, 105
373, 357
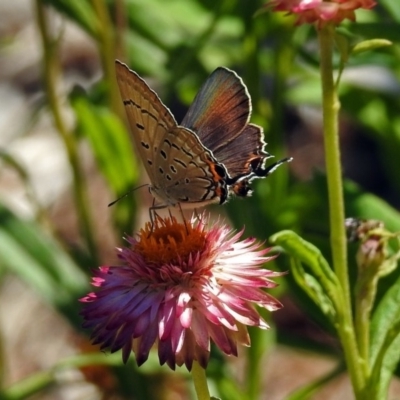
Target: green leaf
113, 152
305, 251
385, 340
372, 44
36, 258
110, 143
42, 380
156, 22
392, 8
23, 174
308, 391
147, 57
321, 284
79, 11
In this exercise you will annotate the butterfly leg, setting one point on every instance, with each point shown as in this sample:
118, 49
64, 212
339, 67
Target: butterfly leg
198, 216
153, 214
183, 218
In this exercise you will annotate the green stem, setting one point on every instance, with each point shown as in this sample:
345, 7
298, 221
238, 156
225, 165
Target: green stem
51, 69
200, 382
29, 386
39, 381
107, 49
331, 106
365, 293
121, 25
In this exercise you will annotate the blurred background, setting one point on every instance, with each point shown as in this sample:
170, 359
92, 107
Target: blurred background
66, 153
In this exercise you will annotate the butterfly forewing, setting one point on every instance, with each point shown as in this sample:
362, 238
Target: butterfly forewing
148, 118
219, 115
220, 110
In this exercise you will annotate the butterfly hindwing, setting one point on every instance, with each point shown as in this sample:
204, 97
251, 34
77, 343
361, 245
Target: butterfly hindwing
188, 172
244, 153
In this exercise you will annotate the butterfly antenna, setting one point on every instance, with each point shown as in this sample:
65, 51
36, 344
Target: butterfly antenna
262, 172
126, 194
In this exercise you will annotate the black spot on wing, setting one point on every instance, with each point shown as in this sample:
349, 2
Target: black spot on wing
145, 145
177, 160
186, 152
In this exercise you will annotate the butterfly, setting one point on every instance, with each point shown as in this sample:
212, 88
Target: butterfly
214, 152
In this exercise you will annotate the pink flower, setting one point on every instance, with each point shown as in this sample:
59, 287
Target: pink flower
181, 285
321, 11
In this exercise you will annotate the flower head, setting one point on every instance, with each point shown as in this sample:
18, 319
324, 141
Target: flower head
321, 11
181, 286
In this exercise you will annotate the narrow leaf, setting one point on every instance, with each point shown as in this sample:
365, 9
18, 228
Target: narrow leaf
110, 143
385, 341
36, 258
368, 45
320, 283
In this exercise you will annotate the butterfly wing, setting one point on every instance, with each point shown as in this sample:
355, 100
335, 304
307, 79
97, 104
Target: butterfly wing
149, 119
244, 153
219, 115
187, 171
180, 168
220, 110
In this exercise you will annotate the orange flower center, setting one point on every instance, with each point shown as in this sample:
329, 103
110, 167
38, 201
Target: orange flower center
169, 241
